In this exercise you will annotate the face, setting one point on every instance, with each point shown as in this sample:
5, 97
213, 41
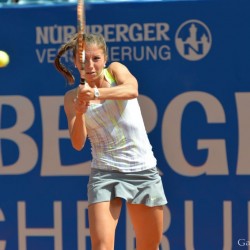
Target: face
94, 63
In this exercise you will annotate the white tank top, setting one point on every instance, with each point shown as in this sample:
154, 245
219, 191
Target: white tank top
118, 136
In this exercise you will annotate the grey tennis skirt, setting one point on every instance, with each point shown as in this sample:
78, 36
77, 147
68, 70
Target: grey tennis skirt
144, 187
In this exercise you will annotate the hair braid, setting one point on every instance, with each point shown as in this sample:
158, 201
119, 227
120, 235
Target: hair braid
61, 67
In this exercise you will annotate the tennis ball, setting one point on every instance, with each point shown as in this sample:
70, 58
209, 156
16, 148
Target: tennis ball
4, 59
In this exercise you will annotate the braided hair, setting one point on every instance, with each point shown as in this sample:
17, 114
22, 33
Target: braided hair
89, 39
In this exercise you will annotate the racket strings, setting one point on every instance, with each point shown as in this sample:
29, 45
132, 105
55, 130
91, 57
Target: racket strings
81, 41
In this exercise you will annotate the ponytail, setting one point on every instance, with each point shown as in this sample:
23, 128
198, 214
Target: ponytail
71, 44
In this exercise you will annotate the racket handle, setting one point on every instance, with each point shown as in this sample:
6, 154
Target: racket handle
82, 81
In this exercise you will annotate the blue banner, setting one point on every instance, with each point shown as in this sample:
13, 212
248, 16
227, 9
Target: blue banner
191, 59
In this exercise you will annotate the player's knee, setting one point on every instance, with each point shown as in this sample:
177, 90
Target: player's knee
155, 242
100, 244
149, 243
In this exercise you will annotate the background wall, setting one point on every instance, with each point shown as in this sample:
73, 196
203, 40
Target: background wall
192, 63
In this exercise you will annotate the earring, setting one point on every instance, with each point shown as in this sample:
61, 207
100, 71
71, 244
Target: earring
75, 66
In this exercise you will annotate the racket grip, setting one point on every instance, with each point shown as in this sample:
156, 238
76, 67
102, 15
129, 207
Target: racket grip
82, 81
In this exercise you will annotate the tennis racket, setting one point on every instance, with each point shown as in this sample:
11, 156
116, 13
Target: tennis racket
81, 23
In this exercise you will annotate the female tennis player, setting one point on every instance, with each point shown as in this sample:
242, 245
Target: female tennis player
106, 111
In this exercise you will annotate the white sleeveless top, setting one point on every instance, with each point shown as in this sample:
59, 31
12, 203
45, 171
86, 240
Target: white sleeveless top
117, 134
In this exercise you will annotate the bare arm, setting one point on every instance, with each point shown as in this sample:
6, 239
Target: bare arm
127, 86
76, 119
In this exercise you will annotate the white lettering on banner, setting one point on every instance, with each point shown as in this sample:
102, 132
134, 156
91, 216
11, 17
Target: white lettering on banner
147, 32
48, 55
2, 242
54, 34
216, 163
115, 53
28, 152
51, 160
192, 47
243, 101
82, 231
227, 225
139, 53
135, 32
113, 33
189, 225
24, 232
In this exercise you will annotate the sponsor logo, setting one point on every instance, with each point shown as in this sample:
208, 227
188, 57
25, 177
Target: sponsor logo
193, 40
133, 42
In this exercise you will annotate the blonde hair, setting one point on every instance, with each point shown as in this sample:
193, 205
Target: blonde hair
89, 39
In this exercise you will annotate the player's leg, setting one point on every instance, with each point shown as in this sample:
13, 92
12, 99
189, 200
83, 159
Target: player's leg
148, 225
103, 219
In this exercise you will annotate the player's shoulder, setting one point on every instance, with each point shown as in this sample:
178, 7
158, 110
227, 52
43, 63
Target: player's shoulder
116, 67
70, 94
116, 64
